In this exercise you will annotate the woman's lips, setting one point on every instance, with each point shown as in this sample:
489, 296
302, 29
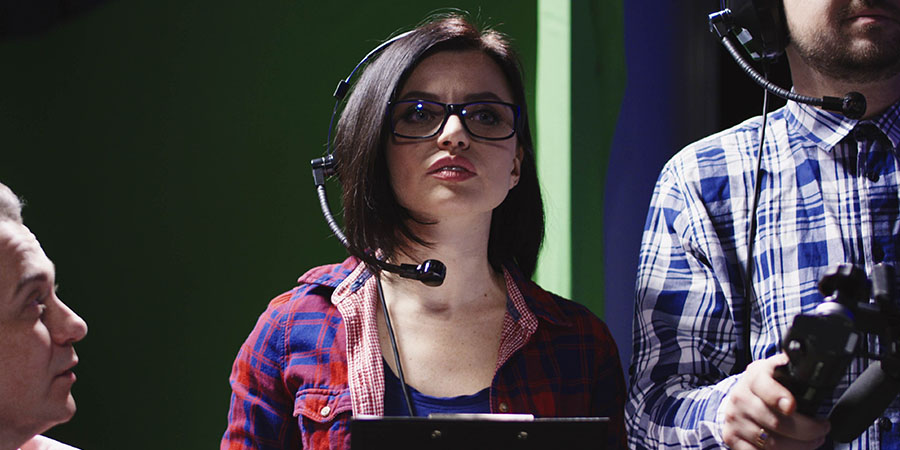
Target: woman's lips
452, 168
452, 173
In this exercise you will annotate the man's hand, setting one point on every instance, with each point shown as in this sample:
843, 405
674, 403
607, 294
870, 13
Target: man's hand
760, 413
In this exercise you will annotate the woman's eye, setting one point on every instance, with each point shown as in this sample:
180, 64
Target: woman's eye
484, 117
418, 115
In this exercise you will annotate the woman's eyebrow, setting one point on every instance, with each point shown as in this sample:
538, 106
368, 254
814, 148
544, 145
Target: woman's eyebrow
486, 95
419, 95
422, 95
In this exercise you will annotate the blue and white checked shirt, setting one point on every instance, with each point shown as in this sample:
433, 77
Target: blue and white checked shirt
829, 195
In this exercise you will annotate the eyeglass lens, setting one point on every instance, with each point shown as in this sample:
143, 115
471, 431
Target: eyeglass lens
419, 118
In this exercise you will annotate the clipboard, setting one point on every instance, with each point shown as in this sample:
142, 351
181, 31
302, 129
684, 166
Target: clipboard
478, 431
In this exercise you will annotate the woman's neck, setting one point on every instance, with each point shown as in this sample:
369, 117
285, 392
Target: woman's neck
462, 246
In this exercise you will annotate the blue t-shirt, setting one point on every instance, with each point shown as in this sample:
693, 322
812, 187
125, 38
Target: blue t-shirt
395, 405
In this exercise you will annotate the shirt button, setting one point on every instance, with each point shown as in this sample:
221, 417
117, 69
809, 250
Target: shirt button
884, 424
503, 407
325, 411
874, 177
877, 254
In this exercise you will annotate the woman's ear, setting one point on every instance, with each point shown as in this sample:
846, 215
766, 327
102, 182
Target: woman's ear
517, 167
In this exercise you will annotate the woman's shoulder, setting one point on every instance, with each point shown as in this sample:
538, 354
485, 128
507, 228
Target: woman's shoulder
545, 303
564, 325
580, 314
564, 314
330, 275
314, 288
296, 320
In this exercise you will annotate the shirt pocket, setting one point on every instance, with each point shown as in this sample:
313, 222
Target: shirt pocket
323, 416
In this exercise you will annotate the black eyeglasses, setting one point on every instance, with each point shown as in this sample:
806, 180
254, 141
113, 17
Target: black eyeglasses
420, 119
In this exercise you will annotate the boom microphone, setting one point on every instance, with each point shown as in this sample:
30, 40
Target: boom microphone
430, 272
862, 403
852, 105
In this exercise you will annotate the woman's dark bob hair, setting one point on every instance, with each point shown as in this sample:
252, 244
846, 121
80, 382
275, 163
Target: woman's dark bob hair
373, 217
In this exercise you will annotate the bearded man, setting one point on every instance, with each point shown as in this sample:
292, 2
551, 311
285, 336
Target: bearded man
830, 193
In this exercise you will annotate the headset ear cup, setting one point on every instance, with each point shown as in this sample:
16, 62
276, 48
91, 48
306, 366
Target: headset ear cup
765, 23
779, 29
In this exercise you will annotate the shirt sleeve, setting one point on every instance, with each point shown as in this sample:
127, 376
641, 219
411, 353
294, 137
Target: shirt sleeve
261, 412
684, 336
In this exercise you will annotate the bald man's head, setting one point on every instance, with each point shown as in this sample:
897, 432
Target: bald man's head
10, 205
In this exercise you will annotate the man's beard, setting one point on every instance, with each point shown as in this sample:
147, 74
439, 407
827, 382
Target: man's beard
836, 55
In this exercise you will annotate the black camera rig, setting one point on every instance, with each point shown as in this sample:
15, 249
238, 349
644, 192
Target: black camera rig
822, 344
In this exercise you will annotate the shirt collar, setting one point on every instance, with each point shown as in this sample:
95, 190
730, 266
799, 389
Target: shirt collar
826, 129
889, 123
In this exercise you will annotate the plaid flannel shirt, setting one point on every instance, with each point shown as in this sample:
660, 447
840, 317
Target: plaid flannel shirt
314, 360
829, 195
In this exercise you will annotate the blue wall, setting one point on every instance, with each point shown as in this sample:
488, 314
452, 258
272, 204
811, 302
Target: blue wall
671, 99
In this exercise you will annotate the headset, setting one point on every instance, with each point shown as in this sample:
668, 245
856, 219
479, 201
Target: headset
760, 26
764, 31
431, 272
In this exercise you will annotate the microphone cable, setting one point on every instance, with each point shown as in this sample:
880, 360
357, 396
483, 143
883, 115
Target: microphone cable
749, 294
394, 348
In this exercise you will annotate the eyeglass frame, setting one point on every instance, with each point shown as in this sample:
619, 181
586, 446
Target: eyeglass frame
456, 109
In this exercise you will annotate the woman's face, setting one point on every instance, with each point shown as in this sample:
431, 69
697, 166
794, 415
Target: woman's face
454, 174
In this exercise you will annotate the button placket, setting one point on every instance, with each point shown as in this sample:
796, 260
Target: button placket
875, 169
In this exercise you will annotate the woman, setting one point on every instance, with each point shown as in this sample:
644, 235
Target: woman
436, 159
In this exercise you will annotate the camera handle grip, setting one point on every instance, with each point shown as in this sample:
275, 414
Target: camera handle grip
808, 398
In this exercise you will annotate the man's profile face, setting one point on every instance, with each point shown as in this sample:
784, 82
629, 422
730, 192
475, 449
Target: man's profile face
848, 40
36, 335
